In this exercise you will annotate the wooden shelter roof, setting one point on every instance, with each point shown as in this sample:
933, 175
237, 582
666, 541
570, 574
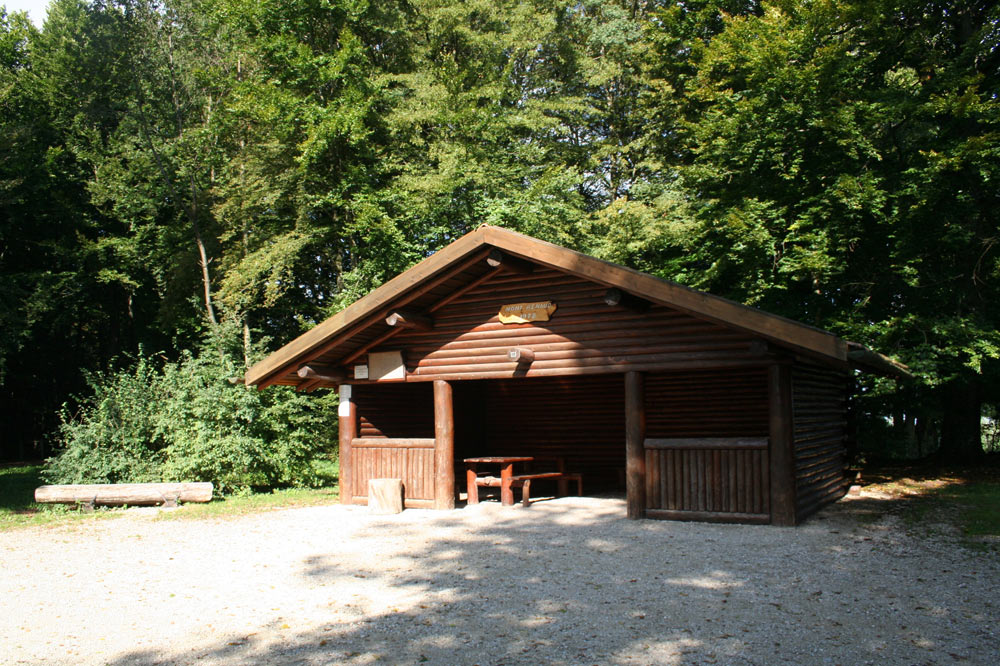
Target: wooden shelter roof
445, 275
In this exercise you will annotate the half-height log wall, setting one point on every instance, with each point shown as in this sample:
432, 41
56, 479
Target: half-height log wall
396, 440
411, 460
715, 479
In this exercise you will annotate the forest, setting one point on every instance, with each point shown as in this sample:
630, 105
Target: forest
185, 185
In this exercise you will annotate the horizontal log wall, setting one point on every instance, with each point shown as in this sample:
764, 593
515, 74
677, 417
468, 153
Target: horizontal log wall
395, 410
725, 403
706, 446
579, 418
584, 336
411, 460
819, 404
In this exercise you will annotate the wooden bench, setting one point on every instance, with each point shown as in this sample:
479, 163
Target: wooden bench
523, 481
118, 494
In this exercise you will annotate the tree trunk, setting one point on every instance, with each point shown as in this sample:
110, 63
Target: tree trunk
961, 436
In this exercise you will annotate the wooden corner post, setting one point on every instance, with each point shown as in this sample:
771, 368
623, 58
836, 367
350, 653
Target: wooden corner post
444, 446
782, 436
347, 421
635, 436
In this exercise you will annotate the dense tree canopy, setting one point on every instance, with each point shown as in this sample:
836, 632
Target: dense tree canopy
168, 167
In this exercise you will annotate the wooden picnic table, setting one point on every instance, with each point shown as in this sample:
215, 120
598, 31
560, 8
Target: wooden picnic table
473, 480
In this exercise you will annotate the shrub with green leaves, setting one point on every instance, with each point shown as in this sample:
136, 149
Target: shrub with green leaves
114, 437
188, 422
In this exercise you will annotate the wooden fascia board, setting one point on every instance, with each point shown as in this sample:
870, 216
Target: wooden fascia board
298, 349
697, 303
865, 359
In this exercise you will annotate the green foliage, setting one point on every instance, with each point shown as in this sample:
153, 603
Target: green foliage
18, 508
189, 422
17, 488
168, 162
115, 437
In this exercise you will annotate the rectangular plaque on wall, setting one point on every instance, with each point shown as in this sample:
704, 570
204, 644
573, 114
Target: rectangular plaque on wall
525, 313
386, 366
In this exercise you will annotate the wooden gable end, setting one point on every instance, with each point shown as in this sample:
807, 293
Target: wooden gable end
656, 324
466, 338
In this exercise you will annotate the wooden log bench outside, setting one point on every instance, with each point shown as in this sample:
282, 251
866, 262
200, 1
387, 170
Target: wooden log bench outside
119, 494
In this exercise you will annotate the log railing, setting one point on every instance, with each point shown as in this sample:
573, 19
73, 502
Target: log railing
717, 479
410, 459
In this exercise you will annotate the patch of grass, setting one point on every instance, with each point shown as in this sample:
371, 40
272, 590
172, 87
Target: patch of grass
17, 487
978, 506
241, 505
17, 499
968, 499
19, 509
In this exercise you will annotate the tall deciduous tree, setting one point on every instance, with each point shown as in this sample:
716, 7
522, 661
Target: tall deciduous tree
55, 313
843, 167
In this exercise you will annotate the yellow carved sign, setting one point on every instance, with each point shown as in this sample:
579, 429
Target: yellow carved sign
526, 313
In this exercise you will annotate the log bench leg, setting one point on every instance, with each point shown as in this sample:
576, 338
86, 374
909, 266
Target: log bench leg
563, 487
472, 488
506, 492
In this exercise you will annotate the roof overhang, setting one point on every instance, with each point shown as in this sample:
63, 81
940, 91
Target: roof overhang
470, 251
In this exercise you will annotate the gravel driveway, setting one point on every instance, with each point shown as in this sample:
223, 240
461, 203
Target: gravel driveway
567, 581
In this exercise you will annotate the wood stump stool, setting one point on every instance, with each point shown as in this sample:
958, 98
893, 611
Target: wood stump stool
385, 495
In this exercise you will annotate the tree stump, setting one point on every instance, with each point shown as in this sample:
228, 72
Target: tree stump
385, 495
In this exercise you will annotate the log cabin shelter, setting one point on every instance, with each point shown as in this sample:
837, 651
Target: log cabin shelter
501, 344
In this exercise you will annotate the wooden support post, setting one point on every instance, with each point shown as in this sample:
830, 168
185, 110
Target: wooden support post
444, 446
635, 435
472, 487
347, 420
782, 442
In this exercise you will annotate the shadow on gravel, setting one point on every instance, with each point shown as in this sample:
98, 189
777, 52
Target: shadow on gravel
579, 584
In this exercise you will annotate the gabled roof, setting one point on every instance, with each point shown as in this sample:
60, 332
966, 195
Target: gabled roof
362, 324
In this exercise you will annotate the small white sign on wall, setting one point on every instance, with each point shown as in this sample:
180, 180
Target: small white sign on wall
361, 372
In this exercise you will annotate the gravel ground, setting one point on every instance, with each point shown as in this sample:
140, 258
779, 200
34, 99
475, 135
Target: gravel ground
567, 581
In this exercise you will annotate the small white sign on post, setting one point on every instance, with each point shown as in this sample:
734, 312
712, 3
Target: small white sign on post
344, 408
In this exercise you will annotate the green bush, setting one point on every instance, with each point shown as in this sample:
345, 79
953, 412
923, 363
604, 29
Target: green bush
114, 437
188, 422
